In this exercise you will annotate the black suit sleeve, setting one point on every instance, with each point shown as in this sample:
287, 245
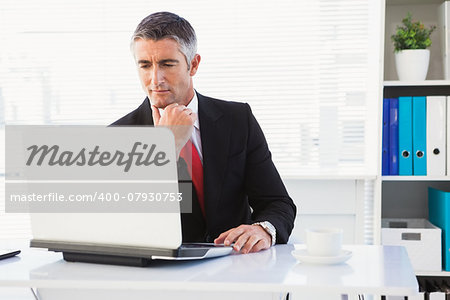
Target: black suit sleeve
266, 192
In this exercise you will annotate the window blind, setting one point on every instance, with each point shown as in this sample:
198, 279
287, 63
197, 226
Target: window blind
309, 69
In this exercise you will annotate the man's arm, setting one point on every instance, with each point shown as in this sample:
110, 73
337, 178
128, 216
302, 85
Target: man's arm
266, 195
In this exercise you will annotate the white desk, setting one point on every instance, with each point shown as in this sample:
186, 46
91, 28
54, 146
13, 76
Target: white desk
376, 270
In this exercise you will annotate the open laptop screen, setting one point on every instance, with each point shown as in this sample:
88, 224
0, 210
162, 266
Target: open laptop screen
120, 184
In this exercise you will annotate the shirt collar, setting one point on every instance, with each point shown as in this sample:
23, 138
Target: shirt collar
193, 105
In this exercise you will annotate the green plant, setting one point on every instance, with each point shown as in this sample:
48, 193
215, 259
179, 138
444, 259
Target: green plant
412, 35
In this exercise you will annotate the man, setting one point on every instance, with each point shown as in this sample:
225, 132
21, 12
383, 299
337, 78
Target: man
241, 198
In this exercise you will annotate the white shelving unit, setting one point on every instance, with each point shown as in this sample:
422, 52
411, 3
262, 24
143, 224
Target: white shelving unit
415, 178
396, 83
406, 196
442, 273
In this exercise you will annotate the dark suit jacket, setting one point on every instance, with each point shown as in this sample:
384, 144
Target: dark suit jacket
241, 183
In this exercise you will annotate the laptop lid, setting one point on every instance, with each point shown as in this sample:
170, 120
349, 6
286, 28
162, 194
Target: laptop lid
101, 194
125, 195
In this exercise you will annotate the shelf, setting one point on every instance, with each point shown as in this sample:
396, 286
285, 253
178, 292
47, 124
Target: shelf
416, 83
433, 273
415, 178
410, 2
330, 177
418, 88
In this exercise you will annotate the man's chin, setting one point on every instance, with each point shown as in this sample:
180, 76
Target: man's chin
160, 102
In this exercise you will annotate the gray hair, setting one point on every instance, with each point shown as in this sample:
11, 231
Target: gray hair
162, 25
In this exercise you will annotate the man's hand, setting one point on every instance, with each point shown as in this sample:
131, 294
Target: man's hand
246, 238
179, 119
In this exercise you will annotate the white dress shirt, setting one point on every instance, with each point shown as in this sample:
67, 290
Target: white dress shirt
195, 136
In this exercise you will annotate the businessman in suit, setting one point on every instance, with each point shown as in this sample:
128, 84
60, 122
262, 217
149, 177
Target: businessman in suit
239, 197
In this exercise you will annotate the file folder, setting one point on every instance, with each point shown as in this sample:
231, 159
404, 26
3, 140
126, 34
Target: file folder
419, 135
437, 295
436, 135
393, 136
385, 138
439, 215
405, 136
419, 296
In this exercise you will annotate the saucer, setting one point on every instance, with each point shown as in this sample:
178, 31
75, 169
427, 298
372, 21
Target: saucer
303, 256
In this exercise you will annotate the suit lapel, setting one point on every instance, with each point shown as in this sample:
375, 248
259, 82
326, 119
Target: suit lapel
215, 136
144, 115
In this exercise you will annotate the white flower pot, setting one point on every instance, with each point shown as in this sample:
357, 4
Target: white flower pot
412, 65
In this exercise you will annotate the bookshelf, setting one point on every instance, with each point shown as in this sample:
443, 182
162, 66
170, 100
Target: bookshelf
425, 83
406, 196
433, 274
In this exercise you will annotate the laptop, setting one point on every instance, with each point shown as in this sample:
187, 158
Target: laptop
125, 236
120, 239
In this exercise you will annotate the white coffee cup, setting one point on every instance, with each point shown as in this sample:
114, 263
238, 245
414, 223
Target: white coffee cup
324, 242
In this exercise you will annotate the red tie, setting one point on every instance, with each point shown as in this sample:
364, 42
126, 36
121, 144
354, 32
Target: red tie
195, 170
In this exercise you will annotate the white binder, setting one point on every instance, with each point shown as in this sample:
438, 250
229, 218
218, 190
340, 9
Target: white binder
420, 296
436, 296
448, 135
436, 135
444, 26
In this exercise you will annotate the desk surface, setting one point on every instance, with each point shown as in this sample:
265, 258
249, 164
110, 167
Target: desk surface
379, 270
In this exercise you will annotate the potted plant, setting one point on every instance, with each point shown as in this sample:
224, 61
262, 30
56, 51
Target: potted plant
411, 54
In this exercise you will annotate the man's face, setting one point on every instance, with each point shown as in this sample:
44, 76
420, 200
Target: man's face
165, 76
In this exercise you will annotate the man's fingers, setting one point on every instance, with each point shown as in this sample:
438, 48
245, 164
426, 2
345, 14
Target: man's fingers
155, 114
179, 119
242, 241
260, 245
221, 238
246, 238
249, 243
233, 235
229, 236
174, 115
193, 117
